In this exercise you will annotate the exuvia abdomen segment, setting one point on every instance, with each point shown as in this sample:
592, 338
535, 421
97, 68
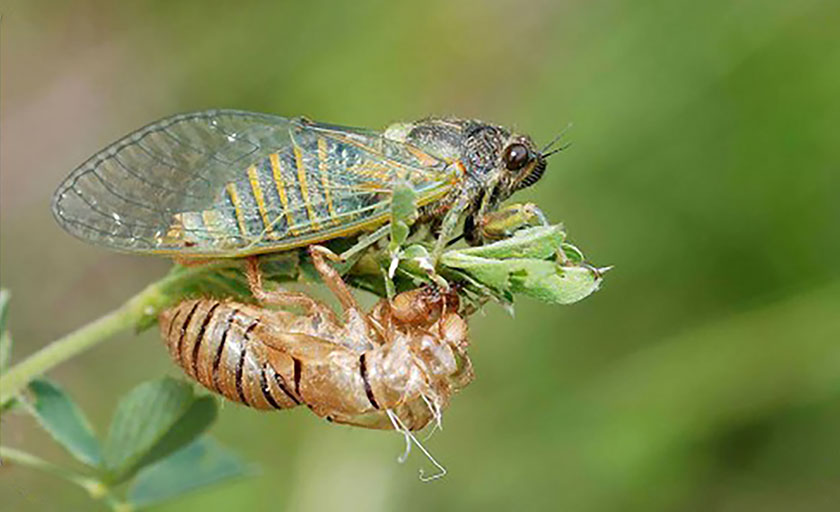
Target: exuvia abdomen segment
264, 359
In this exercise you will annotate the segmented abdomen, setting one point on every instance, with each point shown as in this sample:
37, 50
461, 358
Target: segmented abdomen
213, 343
316, 184
249, 355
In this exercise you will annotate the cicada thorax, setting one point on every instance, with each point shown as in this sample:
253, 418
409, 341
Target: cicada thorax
343, 372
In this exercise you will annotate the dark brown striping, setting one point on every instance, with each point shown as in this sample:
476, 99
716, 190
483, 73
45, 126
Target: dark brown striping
267, 392
368, 390
250, 328
218, 358
281, 383
239, 365
184, 333
198, 339
297, 375
172, 324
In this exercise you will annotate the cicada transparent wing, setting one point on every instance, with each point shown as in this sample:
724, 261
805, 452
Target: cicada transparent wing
232, 183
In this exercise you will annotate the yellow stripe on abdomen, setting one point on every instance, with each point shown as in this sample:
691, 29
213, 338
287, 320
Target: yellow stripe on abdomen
237, 208
304, 188
254, 179
322, 170
276, 171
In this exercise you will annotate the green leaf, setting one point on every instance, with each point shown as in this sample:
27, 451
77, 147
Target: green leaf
201, 463
61, 417
544, 280
5, 337
152, 421
4, 308
539, 242
526, 264
404, 203
549, 282
403, 213
12, 406
5, 350
489, 272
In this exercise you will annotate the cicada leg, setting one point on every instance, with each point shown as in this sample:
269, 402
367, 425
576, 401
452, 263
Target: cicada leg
364, 242
331, 277
504, 222
336, 284
447, 228
283, 298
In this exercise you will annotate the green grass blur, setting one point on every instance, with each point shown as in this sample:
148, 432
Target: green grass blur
705, 166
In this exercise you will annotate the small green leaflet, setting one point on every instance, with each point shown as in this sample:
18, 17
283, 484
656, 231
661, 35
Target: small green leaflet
403, 213
152, 421
526, 264
5, 337
58, 414
201, 463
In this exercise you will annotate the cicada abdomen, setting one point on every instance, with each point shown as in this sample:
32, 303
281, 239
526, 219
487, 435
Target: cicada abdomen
406, 357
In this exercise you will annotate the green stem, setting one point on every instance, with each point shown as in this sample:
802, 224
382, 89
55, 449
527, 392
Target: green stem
94, 487
64, 348
147, 303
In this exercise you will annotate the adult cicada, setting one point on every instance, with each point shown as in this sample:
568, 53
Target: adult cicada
227, 183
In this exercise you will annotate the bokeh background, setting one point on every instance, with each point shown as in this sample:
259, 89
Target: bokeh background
705, 165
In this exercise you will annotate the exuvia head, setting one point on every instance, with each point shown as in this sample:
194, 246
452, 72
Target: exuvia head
423, 306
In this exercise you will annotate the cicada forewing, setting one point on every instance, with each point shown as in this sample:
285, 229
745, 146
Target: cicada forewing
225, 183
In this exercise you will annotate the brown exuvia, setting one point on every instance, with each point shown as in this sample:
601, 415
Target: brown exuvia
404, 358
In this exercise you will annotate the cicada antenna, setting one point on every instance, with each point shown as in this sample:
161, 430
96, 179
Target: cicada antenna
545, 150
399, 426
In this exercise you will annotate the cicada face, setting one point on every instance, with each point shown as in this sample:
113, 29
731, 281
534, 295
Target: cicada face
494, 161
225, 183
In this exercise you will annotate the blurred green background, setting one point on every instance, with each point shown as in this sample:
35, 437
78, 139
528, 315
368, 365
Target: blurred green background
705, 165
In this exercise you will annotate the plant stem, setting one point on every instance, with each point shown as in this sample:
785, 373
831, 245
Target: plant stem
94, 487
72, 344
147, 303
138, 312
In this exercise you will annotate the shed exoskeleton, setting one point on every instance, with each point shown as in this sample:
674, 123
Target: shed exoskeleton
404, 358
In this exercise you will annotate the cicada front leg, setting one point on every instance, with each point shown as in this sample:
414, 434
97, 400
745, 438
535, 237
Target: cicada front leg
503, 223
447, 228
284, 298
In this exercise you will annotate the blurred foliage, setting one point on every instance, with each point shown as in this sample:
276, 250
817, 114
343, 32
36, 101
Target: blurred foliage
155, 430
704, 376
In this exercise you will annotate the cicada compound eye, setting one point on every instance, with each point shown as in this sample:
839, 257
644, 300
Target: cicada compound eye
516, 156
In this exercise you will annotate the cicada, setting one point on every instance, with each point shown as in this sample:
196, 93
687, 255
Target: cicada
393, 368
227, 183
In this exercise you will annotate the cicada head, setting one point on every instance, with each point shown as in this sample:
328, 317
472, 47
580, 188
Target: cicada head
523, 164
502, 162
